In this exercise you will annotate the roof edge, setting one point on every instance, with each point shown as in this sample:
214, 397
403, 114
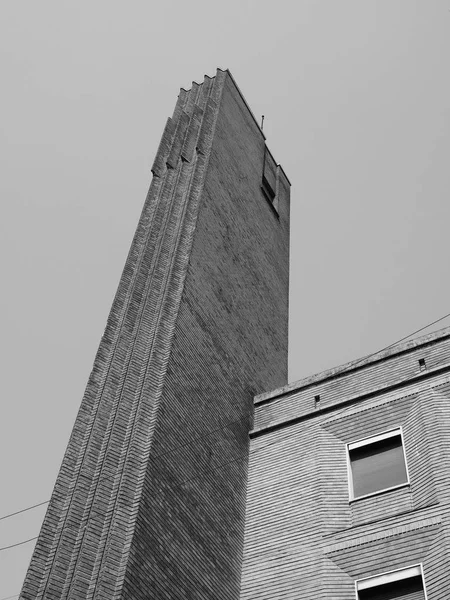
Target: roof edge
354, 365
244, 100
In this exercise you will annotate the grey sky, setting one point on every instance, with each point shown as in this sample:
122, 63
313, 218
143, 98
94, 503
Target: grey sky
356, 100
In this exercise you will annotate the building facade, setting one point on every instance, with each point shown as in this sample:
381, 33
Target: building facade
349, 481
184, 478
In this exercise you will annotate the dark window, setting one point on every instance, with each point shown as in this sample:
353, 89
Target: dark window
400, 585
409, 589
268, 191
377, 464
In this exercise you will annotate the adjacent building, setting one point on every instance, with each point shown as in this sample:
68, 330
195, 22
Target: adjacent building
349, 481
184, 477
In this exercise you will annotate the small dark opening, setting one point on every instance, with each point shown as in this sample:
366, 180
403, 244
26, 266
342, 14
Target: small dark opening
422, 364
411, 589
268, 190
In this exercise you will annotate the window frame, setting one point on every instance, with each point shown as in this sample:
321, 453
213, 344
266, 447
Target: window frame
390, 577
361, 442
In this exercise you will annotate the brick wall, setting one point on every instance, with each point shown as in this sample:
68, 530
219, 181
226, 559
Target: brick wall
304, 539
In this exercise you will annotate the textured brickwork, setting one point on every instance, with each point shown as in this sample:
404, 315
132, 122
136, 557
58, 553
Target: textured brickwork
304, 538
150, 498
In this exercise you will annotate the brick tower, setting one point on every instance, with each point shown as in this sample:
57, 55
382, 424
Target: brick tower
150, 499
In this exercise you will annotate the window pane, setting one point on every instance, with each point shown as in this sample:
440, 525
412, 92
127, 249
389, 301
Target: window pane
378, 466
407, 589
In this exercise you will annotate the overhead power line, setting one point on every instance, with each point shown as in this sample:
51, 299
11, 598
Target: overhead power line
19, 543
398, 341
24, 510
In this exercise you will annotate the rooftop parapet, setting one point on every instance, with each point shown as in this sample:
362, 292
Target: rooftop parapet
389, 369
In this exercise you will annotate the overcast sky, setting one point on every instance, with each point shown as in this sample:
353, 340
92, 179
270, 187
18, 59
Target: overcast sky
356, 99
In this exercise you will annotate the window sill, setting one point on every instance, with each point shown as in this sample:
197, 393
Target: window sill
380, 492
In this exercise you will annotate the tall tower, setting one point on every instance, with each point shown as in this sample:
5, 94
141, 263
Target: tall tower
150, 498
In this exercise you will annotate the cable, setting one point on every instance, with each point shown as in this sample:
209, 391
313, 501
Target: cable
24, 510
19, 543
397, 342
9, 597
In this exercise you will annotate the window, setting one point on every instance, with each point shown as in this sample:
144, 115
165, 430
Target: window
403, 584
268, 190
376, 464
